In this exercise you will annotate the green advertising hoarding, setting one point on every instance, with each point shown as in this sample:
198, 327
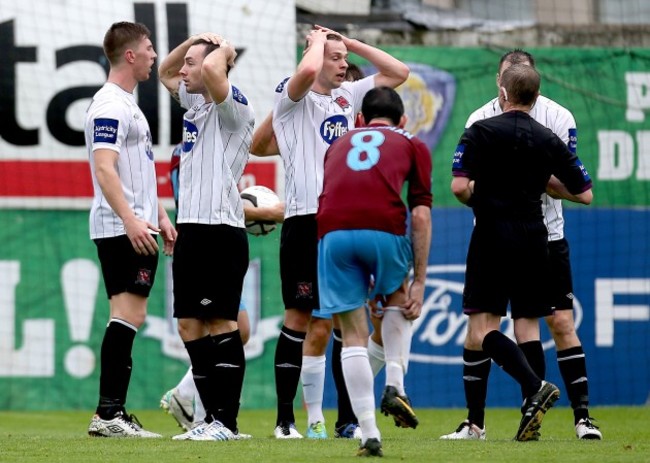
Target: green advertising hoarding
53, 308
53, 311
607, 90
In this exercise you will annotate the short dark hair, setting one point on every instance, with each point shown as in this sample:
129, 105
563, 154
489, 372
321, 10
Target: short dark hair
120, 35
522, 84
516, 56
353, 72
209, 48
382, 102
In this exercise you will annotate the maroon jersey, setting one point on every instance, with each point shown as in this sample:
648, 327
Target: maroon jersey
365, 171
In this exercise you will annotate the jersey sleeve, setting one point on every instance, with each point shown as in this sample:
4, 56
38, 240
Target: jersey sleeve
110, 125
419, 192
463, 162
235, 111
568, 168
564, 127
284, 106
359, 88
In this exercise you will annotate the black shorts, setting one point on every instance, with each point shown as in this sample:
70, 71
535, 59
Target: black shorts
208, 269
561, 282
299, 262
123, 269
507, 262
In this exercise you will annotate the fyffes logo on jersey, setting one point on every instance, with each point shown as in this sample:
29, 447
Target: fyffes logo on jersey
439, 333
333, 127
190, 134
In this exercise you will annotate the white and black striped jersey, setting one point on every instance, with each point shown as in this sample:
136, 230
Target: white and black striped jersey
304, 131
115, 122
216, 140
562, 123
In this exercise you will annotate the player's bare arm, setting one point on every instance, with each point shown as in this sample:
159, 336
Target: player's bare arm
214, 71
167, 230
421, 243
273, 213
138, 230
391, 71
309, 67
463, 188
264, 142
556, 189
169, 69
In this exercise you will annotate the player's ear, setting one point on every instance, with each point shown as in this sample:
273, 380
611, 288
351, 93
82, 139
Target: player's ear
129, 56
504, 93
402, 121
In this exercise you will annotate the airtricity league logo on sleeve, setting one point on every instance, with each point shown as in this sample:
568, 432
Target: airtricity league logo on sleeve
190, 133
105, 130
333, 127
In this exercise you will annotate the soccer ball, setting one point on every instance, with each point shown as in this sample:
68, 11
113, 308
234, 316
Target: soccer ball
260, 196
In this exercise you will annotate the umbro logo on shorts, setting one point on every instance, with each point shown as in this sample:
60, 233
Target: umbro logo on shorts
206, 301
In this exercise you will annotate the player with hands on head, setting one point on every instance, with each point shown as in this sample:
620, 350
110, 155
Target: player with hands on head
125, 218
315, 344
182, 402
217, 129
313, 108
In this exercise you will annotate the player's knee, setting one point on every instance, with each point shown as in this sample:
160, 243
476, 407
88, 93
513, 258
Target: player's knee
561, 325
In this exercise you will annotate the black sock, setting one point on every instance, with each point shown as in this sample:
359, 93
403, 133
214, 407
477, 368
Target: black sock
288, 365
229, 370
573, 369
201, 352
346, 414
534, 353
116, 366
476, 370
508, 356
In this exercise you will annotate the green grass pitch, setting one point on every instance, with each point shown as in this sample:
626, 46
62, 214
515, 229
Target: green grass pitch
61, 437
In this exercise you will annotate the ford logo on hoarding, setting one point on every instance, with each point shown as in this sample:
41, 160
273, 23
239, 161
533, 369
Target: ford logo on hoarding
439, 333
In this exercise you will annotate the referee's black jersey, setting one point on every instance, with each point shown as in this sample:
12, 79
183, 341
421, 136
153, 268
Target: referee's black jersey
511, 158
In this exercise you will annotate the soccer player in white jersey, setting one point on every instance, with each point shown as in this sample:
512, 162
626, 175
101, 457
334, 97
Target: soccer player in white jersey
182, 402
125, 217
217, 130
313, 108
570, 355
317, 338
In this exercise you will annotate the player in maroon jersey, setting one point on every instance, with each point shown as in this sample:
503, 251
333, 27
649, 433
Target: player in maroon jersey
362, 230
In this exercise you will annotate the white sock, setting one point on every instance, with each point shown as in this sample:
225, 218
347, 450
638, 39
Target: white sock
359, 382
376, 356
396, 334
199, 410
186, 387
313, 385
